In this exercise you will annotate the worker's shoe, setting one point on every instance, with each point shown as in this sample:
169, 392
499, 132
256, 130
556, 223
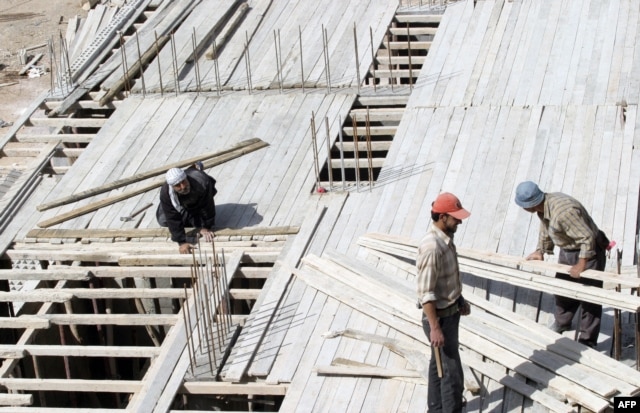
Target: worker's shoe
587, 343
559, 328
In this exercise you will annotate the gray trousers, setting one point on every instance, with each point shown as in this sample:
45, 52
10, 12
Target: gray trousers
445, 394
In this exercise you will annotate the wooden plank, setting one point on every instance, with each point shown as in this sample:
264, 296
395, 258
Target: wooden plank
265, 307
79, 385
18, 351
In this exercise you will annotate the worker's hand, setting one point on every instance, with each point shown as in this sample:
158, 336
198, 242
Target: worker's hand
436, 337
185, 248
577, 269
464, 309
207, 234
535, 256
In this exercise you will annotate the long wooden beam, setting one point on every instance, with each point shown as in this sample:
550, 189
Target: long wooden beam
19, 351
55, 295
45, 233
247, 145
45, 321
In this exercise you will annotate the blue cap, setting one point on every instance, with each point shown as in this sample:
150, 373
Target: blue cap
528, 195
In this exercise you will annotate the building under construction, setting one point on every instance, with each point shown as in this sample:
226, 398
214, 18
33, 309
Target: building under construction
330, 127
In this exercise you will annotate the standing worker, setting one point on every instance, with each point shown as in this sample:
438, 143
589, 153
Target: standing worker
440, 297
186, 200
565, 223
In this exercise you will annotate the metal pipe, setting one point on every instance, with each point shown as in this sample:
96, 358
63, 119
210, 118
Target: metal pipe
389, 57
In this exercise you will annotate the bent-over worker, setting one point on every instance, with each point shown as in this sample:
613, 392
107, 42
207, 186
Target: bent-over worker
565, 223
186, 200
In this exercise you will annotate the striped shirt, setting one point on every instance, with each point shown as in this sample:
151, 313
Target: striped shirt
566, 224
438, 273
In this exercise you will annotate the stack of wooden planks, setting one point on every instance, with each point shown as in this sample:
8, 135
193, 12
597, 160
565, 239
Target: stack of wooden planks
560, 374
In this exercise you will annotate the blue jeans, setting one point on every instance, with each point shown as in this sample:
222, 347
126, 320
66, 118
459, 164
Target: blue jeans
445, 394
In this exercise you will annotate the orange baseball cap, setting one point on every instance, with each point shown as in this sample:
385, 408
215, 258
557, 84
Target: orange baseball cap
448, 203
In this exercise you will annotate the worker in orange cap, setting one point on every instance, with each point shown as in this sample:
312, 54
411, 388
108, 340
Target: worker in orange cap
440, 297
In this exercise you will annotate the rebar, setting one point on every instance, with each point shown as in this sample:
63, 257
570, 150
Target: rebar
329, 164
355, 150
341, 152
226, 283
409, 55
315, 149
125, 65
158, 59
369, 153
187, 325
388, 35
195, 60
211, 348
174, 60
247, 61
355, 44
325, 49
216, 68
144, 86
301, 59
276, 45
373, 59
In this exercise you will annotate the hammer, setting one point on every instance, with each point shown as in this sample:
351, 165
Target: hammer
135, 212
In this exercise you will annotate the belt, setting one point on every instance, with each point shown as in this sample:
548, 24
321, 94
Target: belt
447, 311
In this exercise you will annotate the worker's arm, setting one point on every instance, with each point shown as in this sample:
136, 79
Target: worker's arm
436, 336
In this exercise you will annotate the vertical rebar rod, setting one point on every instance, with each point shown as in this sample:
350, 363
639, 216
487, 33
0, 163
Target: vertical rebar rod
409, 54
369, 152
217, 298
355, 44
195, 60
63, 45
373, 59
325, 49
226, 283
301, 59
329, 164
210, 318
62, 70
174, 60
51, 63
158, 59
216, 273
195, 289
211, 347
125, 64
341, 152
187, 325
389, 57
144, 86
248, 62
278, 68
356, 155
67, 367
315, 149
216, 68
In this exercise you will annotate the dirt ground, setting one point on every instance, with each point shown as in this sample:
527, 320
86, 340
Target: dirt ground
24, 24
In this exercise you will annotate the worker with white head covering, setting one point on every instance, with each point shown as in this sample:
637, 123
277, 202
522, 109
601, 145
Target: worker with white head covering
186, 200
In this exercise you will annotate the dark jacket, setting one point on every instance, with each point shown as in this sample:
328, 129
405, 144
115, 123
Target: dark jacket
196, 209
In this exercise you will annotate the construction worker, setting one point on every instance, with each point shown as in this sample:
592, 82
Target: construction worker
186, 200
440, 296
565, 223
